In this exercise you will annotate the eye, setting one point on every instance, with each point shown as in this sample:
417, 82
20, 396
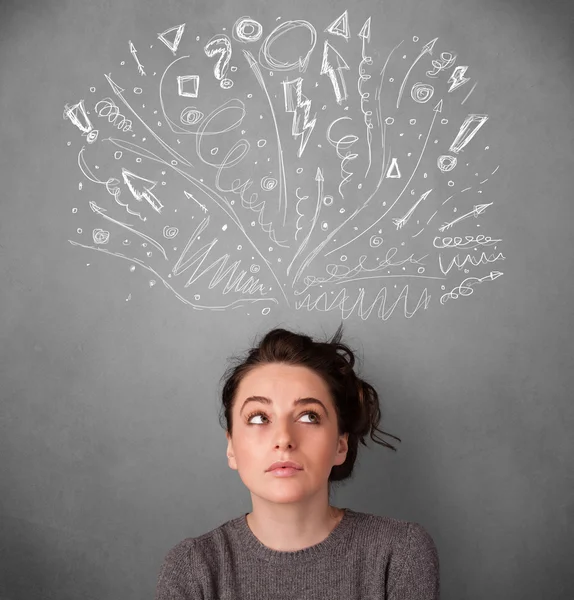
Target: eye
315, 420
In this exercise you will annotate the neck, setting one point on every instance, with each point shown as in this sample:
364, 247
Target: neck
288, 527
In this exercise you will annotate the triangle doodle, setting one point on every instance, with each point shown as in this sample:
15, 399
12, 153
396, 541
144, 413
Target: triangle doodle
393, 171
172, 44
340, 26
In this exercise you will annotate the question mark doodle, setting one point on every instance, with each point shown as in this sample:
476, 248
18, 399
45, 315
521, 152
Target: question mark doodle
220, 44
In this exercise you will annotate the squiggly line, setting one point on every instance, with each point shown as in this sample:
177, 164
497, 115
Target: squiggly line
381, 298
345, 142
301, 215
342, 273
108, 108
465, 289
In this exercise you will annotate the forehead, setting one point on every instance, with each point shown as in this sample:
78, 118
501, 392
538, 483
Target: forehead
281, 379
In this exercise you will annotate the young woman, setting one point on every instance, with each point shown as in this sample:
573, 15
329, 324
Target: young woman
298, 401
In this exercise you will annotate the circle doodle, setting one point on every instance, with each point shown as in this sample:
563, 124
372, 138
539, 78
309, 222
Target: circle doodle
422, 92
170, 232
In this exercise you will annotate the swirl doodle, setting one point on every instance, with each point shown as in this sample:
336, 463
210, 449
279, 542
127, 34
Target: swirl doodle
108, 108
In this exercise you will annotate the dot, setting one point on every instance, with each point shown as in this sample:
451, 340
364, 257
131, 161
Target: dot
391, 79
444, 121
413, 121
79, 230
69, 143
123, 63
451, 183
74, 210
415, 39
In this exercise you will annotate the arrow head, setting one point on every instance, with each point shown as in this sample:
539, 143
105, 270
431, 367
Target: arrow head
496, 274
115, 87
250, 59
438, 107
319, 175
365, 32
96, 208
326, 65
429, 47
129, 179
480, 208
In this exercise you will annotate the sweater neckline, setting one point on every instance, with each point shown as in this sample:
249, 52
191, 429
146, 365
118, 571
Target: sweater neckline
251, 543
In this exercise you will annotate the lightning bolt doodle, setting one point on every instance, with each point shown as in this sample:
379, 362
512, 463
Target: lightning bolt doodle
300, 106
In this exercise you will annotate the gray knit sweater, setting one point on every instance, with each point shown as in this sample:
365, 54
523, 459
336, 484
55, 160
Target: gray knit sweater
365, 557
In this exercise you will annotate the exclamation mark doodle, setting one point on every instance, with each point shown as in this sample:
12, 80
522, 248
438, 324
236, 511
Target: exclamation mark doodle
221, 45
467, 131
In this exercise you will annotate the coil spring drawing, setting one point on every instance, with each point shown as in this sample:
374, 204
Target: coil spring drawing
107, 108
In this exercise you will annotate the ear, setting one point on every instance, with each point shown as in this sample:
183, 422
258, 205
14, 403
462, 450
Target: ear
342, 449
230, 454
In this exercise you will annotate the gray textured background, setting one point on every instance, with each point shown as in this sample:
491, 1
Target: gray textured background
110, 445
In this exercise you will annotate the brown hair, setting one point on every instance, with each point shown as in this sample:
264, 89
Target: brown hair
356, 401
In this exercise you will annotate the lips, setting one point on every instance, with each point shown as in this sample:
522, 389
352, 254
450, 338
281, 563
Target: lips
286, 463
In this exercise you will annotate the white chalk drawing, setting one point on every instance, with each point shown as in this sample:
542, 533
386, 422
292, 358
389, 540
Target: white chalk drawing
340, 26
338, 78
188, 86
300, 106
281, 184
176, 32
134, 53
220, 45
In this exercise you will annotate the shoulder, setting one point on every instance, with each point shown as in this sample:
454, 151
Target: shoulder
194, 552
405, 547
398, 534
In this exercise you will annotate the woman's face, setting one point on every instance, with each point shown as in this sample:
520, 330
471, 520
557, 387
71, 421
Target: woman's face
284, 430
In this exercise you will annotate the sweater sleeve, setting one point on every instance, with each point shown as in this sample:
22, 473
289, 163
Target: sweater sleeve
419, 577
175, 580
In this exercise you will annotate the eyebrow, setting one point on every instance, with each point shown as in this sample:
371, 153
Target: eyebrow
298, 402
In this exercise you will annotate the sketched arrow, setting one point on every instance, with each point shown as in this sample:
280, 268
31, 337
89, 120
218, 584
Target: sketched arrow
477, 210
328, 69
319, 179
427, 49
118, 91
147, 193
134, 53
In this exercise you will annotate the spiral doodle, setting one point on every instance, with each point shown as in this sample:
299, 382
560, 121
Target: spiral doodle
446, 163
375, 241
107, 108
254, 268
190, 115
422, 92
268, 183
100, 236
170, 232
247, 30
